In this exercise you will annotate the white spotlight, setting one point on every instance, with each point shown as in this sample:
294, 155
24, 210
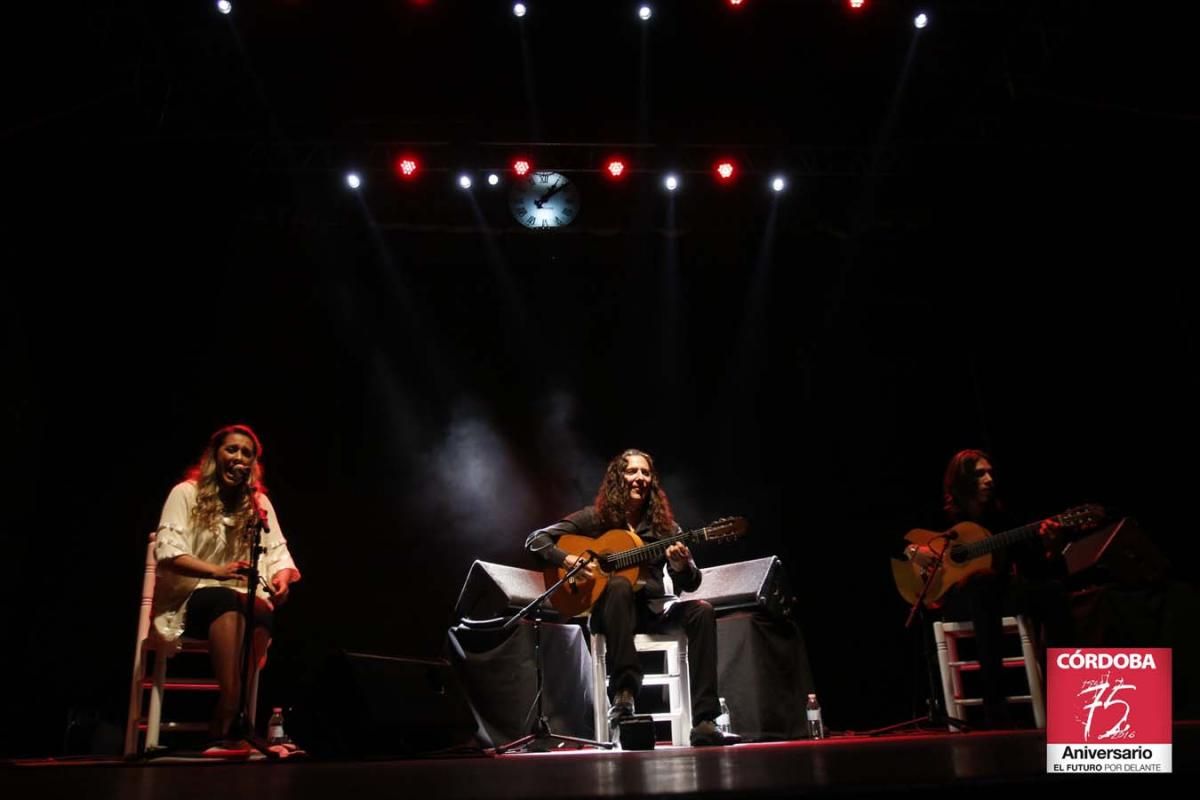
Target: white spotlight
493, 179
920, 21
352, 180
464, 181
224, 6
671, 182
519, 9
645, 12
778, 184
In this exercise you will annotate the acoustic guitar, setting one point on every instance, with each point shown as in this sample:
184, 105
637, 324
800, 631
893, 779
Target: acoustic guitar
623, 553
967, 548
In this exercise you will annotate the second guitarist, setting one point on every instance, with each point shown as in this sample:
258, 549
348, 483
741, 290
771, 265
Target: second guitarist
631, 498
1021, 580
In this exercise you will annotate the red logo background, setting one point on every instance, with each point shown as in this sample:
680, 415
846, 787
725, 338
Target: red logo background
1142, 696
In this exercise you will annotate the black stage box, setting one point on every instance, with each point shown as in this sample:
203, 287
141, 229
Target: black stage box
763, 673
371, 706
498, 673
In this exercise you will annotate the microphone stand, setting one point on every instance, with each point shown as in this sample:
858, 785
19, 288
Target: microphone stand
242, 728
936, 710
919, 603
540, 730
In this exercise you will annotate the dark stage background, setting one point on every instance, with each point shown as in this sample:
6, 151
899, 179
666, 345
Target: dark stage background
987, 241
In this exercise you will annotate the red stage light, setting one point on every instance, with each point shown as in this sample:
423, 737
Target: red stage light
521, 167
726, 170
615, 168
736, 3
406, 166
857, 5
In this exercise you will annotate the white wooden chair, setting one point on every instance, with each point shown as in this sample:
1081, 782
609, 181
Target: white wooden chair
151, 721
675, 678
947, 636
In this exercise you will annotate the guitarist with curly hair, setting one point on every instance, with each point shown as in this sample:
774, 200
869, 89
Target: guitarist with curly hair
632, 501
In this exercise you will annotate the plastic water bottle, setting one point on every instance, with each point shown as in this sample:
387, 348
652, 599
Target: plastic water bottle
275, 733
723, 719
812, 709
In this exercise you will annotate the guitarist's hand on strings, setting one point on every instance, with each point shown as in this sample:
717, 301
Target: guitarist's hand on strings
587, 573
678, 556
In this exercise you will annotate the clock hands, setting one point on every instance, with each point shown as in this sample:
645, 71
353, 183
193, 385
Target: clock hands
558, 187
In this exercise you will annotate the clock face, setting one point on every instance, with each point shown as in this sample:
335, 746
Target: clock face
544, 200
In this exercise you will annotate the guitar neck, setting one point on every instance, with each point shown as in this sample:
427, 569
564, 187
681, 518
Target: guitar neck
997, 542
647, 553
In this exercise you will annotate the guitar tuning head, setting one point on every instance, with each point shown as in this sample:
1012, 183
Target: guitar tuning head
1083, 516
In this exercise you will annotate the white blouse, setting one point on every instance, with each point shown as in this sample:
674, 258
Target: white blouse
217, 545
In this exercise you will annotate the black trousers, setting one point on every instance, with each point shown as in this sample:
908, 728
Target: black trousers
621, 612
983, 599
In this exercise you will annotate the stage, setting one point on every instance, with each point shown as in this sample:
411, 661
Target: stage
932, 763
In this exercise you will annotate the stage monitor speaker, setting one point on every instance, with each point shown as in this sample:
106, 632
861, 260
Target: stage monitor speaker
758, 584
373, 706
1118, 553
494, 590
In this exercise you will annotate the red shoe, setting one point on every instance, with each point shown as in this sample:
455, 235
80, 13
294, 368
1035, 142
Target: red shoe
227, 748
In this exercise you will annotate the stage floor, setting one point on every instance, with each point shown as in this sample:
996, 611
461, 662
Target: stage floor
987, 762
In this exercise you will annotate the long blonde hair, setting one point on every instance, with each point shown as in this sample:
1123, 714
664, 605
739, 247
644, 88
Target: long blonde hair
209, 509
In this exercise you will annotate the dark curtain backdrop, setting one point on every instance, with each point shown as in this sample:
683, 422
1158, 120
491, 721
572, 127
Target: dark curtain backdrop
1016, 275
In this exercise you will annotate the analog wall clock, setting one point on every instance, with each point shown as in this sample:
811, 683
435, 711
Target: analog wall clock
544, 200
